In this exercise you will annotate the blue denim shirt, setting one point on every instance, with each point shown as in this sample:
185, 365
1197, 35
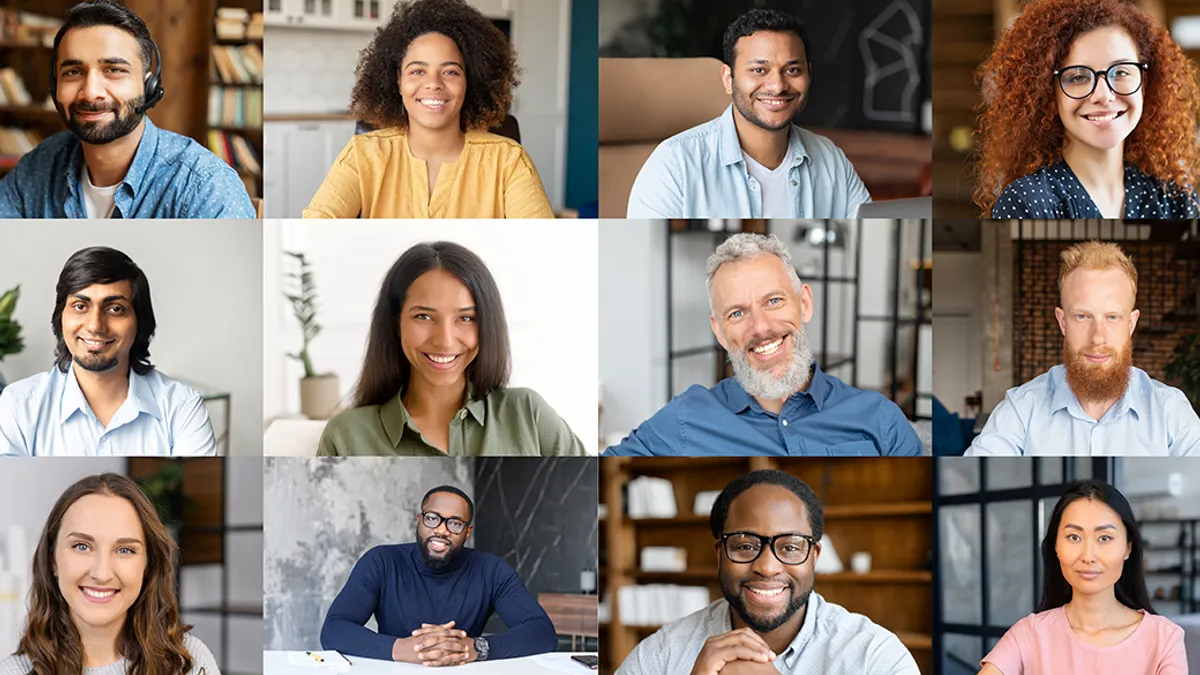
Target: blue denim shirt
1044, 417
701, 173
172, 176
830, 418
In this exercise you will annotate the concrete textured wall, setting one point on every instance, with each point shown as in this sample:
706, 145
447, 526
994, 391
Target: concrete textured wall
320, 515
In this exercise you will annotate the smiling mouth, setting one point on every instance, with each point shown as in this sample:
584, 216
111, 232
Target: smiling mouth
768, 348
96, 344
1104, 116
438, 545
434, 103
442, 359
99, 594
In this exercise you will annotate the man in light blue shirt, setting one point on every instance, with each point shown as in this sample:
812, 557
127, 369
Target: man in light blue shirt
752, 162
1096, 402
779, 401
767, 528
103, 397
114, 162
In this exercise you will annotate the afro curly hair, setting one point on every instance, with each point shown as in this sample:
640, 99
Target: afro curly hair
491, 64
1019, 129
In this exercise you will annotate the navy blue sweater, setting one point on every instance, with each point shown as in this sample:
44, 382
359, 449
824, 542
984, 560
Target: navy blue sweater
393, 583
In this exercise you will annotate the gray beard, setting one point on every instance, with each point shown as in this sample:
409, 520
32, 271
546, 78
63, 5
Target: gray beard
765, 385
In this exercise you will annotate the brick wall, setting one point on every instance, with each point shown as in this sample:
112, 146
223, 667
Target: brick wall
1163, 284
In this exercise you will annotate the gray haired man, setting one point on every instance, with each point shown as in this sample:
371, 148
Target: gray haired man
779, 402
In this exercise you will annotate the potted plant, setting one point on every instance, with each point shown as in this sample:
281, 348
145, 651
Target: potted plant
1184, 367
10, 330
165, 490
319, 393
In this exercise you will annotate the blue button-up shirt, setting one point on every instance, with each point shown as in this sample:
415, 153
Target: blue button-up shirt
47, 415
1043, 417
171, 176
829, 418
701, 173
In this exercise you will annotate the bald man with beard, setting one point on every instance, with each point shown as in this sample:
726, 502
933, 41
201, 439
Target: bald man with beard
1096, 402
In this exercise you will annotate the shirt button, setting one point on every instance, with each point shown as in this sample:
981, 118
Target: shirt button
785, 423
462, 414
793, 183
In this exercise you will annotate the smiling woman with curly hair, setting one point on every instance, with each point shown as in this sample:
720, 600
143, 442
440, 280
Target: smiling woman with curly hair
432, 82
1089, 111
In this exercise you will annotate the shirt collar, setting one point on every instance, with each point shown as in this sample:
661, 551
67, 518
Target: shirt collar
1064, 396
819, 388
138, 169
139, 396
394, 416
729, 149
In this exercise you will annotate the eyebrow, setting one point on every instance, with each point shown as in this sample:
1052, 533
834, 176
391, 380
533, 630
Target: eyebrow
1072, 526
786, 63
423, 308
444, 63
88, 537
108, 60
106, 299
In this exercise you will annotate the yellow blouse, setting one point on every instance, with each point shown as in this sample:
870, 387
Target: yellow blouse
375, 176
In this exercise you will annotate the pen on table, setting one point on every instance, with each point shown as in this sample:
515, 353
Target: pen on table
316, 657
348, 661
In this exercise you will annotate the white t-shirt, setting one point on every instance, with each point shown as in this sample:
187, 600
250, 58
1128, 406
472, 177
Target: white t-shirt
776, 200
99, 201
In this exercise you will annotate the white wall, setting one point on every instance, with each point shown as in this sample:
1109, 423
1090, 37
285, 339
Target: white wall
958, 292
312, 72
546, 272
204, 278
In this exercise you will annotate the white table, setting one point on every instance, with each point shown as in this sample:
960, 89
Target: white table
554, 663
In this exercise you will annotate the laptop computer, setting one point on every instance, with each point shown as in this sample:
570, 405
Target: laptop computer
918, 207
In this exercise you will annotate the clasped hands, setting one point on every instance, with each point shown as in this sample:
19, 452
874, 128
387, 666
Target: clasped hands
738, 652
435, 645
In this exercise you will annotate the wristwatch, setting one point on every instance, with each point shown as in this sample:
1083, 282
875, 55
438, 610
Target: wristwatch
481, 648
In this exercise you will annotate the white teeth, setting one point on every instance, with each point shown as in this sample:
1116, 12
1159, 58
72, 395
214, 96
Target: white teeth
777, 591
432, 103
441, 359
96, 594
1104, 117
768, 348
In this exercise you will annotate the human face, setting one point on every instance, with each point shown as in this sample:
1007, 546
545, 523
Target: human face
1103, 120
758, 317
765, 594
99, 326
100, 83
439, 546
437, 329
100, 560
1092, 546
769, 79
433, 82
1097, 320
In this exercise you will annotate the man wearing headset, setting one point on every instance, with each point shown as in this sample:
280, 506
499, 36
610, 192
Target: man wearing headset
114, 162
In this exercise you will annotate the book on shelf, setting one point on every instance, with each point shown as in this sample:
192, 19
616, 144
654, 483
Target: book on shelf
235, 150
237, 64
234, 107
16, 142
12, 89
254, 29
28, 28
230, 23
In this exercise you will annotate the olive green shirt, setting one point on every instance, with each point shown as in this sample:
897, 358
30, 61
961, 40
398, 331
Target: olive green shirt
508, 422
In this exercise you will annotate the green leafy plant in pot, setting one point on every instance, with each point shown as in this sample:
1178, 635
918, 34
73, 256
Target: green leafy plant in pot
319, 393
1184, 367
165, 490
10, 330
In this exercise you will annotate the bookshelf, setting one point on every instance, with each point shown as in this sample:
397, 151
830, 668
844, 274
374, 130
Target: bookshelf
234, 116
27, 115
879, 505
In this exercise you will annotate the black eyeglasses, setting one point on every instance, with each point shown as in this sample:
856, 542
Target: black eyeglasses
745, 547
432, 519
1123, 79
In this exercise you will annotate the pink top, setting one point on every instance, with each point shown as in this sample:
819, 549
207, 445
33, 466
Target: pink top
1045, 644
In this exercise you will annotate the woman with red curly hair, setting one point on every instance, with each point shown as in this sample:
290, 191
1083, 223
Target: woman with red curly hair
1089, 111
431, 84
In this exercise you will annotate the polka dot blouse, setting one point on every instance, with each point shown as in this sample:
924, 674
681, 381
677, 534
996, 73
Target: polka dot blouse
1055, 192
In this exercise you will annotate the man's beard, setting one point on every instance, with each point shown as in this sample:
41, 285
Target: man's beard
766, 385
95, 363
760, 624
96, 133
430, 560
745, 106
1099, 383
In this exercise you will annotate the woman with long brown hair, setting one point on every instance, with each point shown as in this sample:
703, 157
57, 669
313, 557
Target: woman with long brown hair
435, 378
103, 593
1088, 110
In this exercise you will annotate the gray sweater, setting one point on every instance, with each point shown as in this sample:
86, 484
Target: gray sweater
203, 662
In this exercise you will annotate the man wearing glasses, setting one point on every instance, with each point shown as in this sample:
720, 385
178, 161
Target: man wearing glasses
432, 599
770, 620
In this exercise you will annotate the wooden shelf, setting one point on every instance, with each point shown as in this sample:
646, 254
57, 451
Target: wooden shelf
880, 510
688, 519
234, 129
30, 110
916, 640
9, 44
642, 465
